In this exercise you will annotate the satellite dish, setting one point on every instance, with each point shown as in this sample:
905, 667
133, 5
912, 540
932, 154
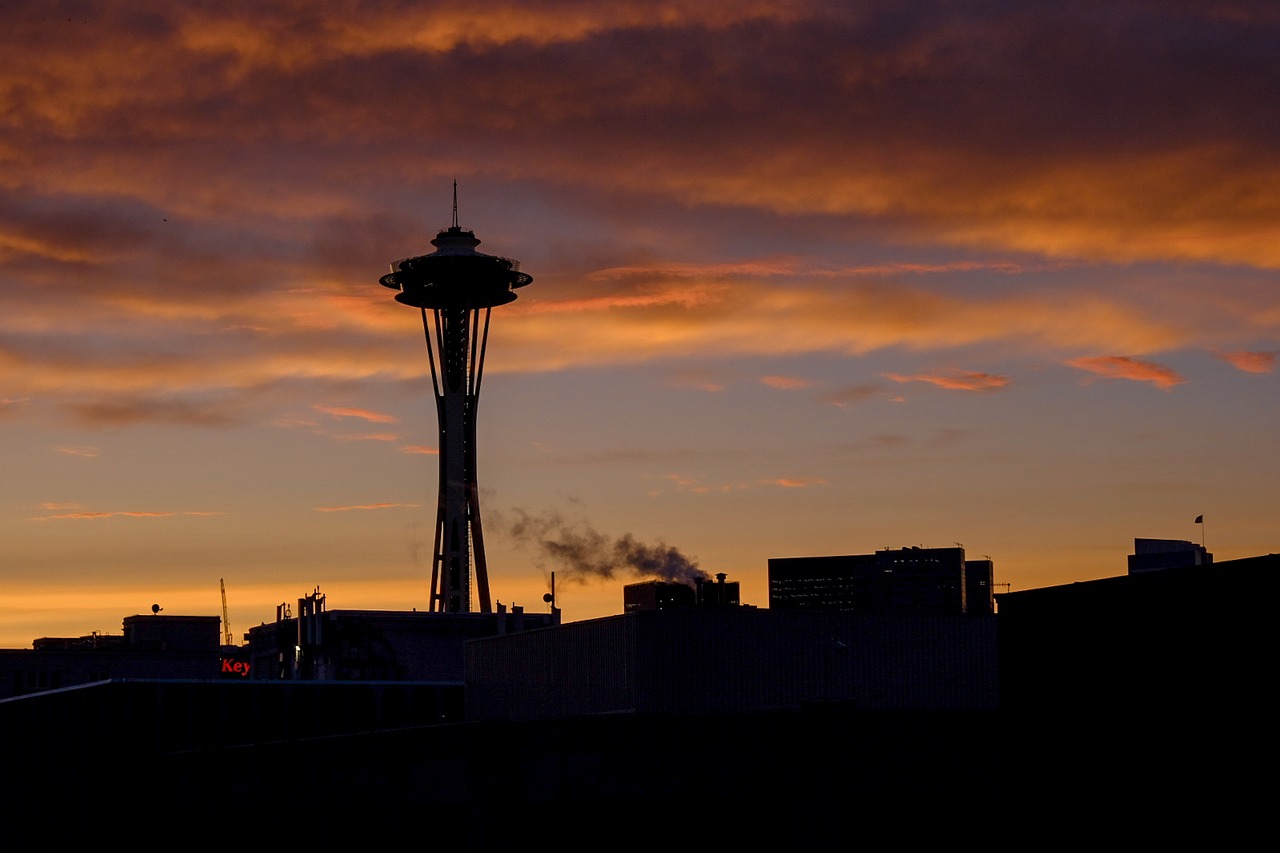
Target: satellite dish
548, 598
155, 608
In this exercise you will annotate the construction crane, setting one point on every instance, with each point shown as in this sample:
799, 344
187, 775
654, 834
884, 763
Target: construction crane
226, 621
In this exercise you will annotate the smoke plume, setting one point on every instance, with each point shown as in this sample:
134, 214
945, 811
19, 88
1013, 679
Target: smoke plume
576, 551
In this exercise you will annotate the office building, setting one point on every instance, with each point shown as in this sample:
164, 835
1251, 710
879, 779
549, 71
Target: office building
151, 646
937, 581
665, 595
1151, 555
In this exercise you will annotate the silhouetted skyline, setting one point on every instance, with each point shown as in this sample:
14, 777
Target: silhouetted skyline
811, 279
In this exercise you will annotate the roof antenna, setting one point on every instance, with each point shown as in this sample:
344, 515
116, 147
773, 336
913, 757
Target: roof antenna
455, 202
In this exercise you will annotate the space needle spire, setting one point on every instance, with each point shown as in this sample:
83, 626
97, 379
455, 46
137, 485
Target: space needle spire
455, 287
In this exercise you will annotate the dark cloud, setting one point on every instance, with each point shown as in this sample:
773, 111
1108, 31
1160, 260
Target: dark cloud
966, 103
198, 185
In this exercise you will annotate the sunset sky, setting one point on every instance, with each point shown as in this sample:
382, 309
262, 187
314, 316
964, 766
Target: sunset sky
809, 278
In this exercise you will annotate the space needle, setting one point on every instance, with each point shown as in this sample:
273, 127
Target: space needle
455, 287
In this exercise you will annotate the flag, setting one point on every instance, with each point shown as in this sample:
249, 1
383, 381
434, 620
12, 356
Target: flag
1199, 519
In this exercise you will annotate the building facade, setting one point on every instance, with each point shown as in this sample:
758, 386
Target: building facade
170, 647
318, 644
936, 581
695, 660
1152, 555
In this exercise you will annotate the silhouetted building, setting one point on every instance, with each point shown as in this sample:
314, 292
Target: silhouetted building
152, 646
1145, 688
695, 660
979, 587
656, 595
937, 581
1153, 686
1150, 555
665, 595
1146, 644
376, 645
718, 593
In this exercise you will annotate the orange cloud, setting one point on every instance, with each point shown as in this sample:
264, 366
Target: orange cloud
367, 436
689, 483
836, 316
88, 452
794, 266
139, 410
785, 382
419, 448
6, 403
884, 131
1122, 367
956, 380
362, 414
1249, 362
268, 40
667, 296
269, 274
83, 515
795, 482
363, 506
98, 515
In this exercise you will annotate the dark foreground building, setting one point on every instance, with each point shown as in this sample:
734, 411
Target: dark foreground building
318, 644
1144, 696
735, 660
1137, 704
151, 646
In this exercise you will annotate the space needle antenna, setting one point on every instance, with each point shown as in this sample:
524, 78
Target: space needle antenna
455, 287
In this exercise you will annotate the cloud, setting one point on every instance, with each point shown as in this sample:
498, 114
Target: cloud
1249, 362
418, 448
795, 482
856, 318
698, 486
367, 436
1052, 132
1122, 367
956, 380
140, 410
84, 515
844, 397
364, 506
785, 382
216, 231
87, 452
362, 414
698, 379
